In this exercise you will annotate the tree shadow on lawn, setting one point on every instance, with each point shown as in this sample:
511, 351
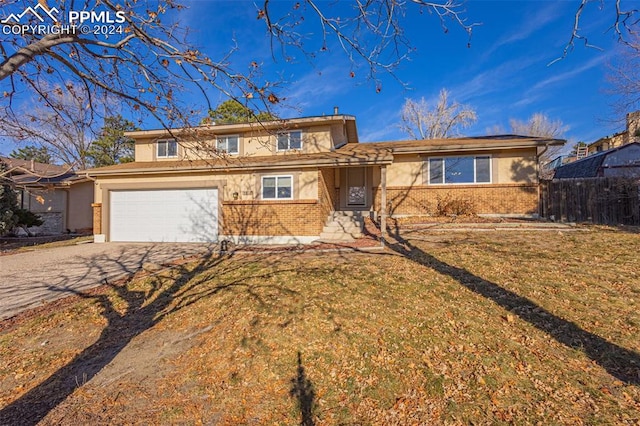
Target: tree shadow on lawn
144, 309
622, 363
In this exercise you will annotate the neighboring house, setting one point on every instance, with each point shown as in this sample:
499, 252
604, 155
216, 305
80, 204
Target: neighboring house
283, 181
623, 161
549, 168
629, 135
58, 195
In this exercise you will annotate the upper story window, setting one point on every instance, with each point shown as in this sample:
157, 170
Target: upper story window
277, 187
228, 144
460, 170
167, 148
290, 140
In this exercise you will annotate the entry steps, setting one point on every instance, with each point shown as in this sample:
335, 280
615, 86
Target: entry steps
345, 225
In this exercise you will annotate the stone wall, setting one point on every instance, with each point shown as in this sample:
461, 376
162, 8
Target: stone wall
53, 224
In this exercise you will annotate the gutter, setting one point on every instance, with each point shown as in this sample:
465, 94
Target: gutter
246, 167
283, 124
454, 148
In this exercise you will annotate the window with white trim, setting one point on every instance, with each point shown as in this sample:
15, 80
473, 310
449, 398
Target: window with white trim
288, 141
460, 170
166, 148
228, 144
277, 187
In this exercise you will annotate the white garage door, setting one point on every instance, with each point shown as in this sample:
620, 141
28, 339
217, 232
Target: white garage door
168, 215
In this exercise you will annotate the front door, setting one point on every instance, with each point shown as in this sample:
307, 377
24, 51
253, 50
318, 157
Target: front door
356, 187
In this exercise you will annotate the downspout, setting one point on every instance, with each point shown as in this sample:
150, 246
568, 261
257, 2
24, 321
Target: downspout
538, 156
66, 230
98, 237
69, 199
383, 204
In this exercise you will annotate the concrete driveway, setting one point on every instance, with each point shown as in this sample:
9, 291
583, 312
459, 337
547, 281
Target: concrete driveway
29, 279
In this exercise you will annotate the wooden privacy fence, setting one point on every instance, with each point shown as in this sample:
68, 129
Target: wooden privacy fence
607, 201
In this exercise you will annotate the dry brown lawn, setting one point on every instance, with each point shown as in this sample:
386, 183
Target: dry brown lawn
465, 328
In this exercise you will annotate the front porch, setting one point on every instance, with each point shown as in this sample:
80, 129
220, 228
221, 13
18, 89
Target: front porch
350, 193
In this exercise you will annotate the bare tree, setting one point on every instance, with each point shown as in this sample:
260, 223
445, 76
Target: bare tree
496, 129
624, 77
538, 125
371, 33
148, 61
65, 129
542, 126
623, 23
423, 121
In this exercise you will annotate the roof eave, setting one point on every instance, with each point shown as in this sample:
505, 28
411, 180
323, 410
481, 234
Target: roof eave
335, 162
226, 128
476, 147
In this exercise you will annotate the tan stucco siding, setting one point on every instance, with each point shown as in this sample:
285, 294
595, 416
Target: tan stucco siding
80, 213
305, 183
255, 142
257, 145
45, 200
246, 185
338, 135
514, 166
406, 170
314, 139
144, 181
145, 150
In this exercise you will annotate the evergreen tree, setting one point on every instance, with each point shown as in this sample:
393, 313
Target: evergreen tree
25, 219
30, 152
112, 146
8, 203
232, 111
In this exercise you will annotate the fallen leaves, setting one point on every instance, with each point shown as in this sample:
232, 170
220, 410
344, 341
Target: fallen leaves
383, 340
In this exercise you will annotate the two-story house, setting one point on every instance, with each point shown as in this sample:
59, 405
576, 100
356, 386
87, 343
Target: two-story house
282, 181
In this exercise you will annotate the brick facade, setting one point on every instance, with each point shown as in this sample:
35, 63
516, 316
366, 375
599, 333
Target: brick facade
280, 218
507, 199
272, 218
97, 218
307, 217
327, 193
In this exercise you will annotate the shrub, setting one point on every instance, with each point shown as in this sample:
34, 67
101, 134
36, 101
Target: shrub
8, 204
27, 218
449, 205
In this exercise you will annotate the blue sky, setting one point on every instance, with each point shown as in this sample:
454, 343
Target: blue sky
504, 74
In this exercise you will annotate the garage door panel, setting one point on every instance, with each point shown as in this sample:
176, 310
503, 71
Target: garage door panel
181, 215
